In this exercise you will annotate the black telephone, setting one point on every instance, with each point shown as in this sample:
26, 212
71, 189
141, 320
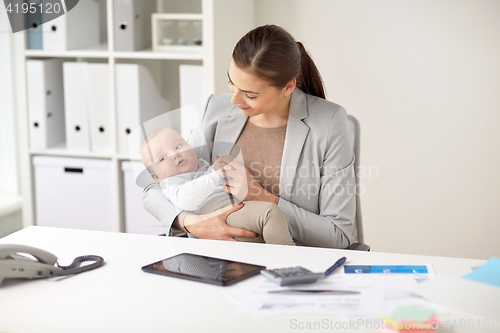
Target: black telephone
14, 265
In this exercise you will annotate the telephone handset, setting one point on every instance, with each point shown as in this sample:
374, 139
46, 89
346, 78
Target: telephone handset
14, 265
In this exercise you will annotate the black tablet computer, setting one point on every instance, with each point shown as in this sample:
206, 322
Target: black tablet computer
203, 269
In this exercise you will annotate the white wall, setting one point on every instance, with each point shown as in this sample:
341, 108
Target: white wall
423, 78
8, 155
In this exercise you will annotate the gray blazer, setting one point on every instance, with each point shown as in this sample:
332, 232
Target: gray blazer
317, 185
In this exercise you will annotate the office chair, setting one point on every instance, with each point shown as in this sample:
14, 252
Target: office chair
354, 129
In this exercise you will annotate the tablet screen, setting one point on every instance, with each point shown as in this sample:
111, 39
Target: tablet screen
203, 269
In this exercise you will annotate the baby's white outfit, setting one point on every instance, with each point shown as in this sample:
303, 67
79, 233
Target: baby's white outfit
190, 191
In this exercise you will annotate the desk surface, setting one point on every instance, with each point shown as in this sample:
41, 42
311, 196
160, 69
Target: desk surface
119, 297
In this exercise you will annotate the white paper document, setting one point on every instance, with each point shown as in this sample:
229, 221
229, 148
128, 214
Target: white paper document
258, 299
377, 295
461, 294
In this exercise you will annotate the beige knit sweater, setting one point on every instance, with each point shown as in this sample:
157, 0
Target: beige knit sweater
262, 150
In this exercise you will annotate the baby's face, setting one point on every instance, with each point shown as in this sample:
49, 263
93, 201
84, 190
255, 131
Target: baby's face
172, 155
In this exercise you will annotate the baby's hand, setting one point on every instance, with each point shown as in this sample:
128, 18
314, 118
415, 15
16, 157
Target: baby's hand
220, 161
215, 166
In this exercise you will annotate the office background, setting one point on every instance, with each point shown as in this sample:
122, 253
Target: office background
423, 79
10, 201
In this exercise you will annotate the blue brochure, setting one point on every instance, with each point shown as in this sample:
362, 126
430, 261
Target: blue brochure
406, 269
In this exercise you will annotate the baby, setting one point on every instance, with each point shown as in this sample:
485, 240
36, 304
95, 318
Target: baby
191, 184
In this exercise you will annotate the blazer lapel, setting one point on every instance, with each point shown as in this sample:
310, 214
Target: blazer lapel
228, 131
296, 134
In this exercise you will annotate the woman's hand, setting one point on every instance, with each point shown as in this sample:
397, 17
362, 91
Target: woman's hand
239, 182
213, 225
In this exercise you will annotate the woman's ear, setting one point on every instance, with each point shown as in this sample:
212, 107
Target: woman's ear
290, 87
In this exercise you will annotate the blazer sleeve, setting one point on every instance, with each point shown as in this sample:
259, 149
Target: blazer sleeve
333, 227
159, 206
153, 199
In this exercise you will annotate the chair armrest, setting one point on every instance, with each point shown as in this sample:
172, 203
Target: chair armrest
358, 247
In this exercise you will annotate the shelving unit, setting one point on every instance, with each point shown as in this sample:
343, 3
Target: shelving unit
223, 23
98, 51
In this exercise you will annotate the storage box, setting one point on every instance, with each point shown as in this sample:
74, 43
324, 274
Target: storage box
74, 193
177, 32
137, 219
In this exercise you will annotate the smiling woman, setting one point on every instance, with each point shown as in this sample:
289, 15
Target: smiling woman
264, 104
276, 119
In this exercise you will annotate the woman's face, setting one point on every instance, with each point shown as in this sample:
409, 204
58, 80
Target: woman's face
255, 96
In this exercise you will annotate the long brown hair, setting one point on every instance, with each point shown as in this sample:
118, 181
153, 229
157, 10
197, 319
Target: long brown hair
272, 54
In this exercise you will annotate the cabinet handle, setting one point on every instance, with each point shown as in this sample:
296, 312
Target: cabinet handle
74, 170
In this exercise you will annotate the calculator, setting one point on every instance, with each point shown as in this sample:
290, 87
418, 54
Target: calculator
291, 275
298, 275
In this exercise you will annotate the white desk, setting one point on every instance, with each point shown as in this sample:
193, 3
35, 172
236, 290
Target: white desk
119, 297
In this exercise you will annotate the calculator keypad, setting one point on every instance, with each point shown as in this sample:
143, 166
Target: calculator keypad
290, 271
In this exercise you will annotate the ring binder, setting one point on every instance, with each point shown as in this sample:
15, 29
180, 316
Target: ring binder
133, 24
77, 28
99, 111
138, 101
76, 102
45, 102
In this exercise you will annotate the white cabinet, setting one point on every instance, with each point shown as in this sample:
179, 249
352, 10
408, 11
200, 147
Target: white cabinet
137, 219
74, 193
224, 22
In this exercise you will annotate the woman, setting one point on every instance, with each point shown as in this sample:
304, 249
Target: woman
294, 143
